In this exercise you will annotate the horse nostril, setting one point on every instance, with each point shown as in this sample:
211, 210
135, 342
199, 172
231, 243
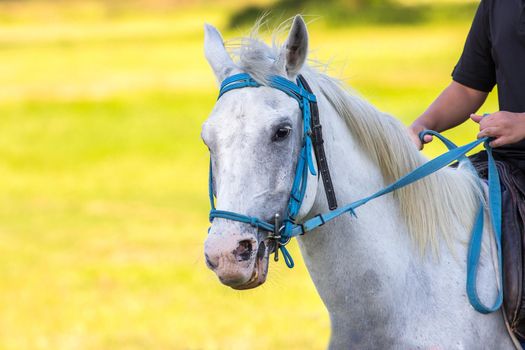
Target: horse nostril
209, 263
244, 250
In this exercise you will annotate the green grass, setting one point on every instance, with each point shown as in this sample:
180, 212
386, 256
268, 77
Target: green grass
356, 12
103, 203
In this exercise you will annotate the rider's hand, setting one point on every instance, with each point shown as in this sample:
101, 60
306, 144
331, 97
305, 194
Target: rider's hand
505, 127
413, 132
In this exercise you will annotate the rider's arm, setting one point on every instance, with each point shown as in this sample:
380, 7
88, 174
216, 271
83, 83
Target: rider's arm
473, 78
452, 107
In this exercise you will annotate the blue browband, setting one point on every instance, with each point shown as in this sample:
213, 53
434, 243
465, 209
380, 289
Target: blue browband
290, 228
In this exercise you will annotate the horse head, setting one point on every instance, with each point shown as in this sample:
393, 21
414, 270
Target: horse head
254, 135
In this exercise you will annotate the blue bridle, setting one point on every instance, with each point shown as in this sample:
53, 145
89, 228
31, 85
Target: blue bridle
290, 228
305, 164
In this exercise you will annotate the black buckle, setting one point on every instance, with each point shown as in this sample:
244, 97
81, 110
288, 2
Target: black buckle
317, 135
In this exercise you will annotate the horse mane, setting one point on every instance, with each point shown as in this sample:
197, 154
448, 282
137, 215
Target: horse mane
439, 206
436, 206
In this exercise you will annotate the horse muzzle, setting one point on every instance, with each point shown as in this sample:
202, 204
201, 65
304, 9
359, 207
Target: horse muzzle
239, 262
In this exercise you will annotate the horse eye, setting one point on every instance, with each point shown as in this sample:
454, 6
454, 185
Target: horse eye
282, 133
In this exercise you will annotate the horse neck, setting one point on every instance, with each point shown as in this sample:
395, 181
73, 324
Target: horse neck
364, 268
338, 256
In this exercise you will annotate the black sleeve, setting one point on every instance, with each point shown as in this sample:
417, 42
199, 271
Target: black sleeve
475, 68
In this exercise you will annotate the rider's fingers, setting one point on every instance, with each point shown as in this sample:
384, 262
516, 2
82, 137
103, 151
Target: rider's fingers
476, 118
427, 138
500, 141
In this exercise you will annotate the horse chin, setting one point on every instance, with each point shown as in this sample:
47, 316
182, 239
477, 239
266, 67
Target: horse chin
260, 268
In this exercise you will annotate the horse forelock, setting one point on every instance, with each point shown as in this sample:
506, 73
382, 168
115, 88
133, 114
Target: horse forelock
253, 56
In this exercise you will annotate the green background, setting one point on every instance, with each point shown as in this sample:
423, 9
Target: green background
103, 177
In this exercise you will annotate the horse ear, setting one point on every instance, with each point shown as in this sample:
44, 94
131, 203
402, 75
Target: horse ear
296, 46
216, 54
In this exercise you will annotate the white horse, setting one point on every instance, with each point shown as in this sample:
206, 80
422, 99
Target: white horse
392, 278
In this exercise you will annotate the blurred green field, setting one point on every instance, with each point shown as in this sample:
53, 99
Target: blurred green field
103, 177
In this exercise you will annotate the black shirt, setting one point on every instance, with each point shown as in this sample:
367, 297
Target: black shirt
494, 53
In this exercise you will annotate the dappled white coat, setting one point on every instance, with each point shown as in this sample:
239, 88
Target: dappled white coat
394, 277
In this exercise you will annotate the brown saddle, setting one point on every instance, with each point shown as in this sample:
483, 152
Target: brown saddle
512, 177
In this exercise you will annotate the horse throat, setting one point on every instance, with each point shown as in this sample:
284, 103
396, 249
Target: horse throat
354, 262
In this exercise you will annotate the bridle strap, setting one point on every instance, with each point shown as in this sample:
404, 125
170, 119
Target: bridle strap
305, 164
318, 144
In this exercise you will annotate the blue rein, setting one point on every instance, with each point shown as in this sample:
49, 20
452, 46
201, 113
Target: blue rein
305, 165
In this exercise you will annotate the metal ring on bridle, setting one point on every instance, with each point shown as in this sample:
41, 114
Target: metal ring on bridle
276, 237
281, 244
